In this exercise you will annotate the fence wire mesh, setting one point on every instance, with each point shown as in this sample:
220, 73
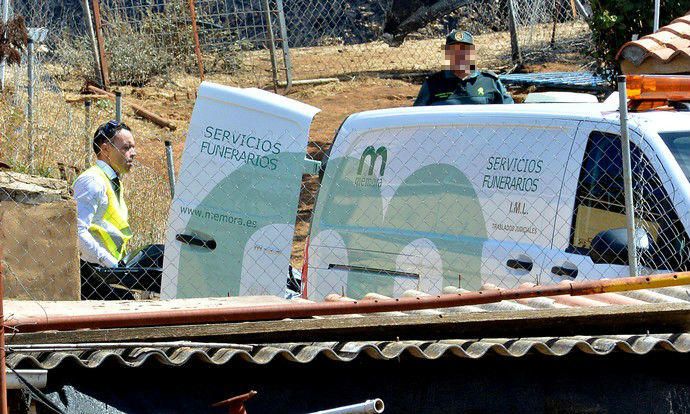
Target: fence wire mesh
462, 201
433, 208
258, 42
332, 38
236, 39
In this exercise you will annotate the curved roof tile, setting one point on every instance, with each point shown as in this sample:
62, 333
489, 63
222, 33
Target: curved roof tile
663, 46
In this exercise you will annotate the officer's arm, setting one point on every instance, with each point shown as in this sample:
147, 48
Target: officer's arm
424, 96
503, 95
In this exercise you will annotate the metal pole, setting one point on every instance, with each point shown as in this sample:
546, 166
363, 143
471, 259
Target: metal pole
197, 47
5, 17
3, 370
627, 177
118, 106
287, 59
87, 134
171, 167
92, 35
657, 10
271, 45
38, 323
30, 105
368, 407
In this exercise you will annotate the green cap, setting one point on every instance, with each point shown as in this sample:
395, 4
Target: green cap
456, 36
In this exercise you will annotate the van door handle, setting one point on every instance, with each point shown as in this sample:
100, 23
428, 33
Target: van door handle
564, 271
195, 241
519, 264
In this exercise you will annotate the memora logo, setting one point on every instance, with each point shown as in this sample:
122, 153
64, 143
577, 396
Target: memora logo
366, 176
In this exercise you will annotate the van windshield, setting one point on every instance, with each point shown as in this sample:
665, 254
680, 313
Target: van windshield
679, 144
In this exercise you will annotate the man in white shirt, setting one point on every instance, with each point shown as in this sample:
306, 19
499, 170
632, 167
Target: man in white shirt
102, 225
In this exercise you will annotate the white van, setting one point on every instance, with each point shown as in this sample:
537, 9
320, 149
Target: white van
421, 197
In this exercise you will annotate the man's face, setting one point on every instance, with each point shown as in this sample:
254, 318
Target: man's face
461, 58
120, 151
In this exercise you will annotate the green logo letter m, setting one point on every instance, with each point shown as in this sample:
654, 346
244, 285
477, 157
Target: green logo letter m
373, 155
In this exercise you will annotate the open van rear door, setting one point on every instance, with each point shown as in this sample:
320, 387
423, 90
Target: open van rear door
231, 223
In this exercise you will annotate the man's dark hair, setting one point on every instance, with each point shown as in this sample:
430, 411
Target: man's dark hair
106, 132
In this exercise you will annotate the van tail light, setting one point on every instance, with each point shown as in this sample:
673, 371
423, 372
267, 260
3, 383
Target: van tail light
305, 270
655, 91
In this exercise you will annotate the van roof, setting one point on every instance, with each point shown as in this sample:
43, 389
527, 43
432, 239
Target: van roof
663, 121
424, 115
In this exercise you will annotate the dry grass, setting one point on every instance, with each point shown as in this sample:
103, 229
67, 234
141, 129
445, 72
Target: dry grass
61, 137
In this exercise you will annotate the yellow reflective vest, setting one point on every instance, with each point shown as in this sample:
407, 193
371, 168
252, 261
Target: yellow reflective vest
112, 231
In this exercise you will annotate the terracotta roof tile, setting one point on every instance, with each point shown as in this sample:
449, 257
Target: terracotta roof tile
681, 29
685, 19
663, 46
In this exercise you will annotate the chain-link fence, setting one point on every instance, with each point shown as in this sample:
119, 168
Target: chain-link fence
237, 40
258, 42
421, 199
331, 38
451, 202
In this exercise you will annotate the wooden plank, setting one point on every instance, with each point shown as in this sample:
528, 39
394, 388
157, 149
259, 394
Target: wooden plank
642, 319
38, 309
139, 110
82, 98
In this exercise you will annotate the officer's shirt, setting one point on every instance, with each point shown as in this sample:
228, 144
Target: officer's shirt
444, 88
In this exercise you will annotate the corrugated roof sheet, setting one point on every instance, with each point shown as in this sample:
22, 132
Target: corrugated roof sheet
305, 352
349, 351
668, 43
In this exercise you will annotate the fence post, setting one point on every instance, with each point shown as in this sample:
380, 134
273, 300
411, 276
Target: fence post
515, 53
627, 176
87, 133
30, 102
118, 106
171, 167
92, 35
5, 17
3, 369
271, 44
101, 44
287, 59
197, 47
657, 12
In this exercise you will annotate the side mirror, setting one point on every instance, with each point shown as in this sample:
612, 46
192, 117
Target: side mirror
611, 246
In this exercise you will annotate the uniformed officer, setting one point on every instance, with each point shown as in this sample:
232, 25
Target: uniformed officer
461, 83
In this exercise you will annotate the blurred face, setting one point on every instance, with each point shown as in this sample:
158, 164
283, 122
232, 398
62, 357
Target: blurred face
119, 153
461, 58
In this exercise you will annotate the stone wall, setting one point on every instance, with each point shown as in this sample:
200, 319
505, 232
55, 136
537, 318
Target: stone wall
38, 233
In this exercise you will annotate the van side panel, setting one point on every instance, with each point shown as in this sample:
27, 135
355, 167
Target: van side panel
231, 223
448, 201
